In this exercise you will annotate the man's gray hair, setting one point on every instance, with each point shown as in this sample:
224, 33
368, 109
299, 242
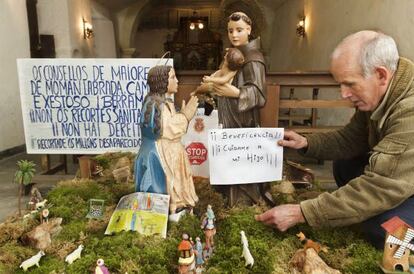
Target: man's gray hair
379, 51
375, 49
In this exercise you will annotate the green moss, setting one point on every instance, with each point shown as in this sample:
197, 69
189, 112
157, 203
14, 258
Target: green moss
13, 253
133, 253
207, 196
47, 264
84, 190
189, 224
229, 248
103, 160
364, 258
71, 231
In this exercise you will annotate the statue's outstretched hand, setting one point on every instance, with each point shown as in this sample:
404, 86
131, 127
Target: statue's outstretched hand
207, 79
203, 88
190, 108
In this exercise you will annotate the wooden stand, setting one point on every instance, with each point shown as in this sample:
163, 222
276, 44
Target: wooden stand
47, 169
85, 167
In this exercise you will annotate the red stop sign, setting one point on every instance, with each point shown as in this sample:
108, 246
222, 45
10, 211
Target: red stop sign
197, 153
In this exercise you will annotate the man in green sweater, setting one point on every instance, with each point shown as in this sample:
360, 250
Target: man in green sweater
373, 154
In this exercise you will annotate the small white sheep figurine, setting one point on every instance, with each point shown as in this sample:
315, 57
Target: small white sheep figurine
76, 254
246, 252
34, 260
41, 204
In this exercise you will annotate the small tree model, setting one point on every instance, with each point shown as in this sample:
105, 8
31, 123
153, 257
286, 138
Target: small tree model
24, 176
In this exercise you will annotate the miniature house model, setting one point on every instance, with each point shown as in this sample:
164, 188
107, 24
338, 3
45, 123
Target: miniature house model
397, 245
185, 250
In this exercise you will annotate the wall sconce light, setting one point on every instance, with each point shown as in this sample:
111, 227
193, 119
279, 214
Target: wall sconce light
87, 29
300, 27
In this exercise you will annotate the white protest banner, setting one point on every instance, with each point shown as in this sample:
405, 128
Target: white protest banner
83, 106
195, 141
245, 155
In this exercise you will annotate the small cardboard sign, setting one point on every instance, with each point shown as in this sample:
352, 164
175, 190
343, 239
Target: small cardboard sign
245, 155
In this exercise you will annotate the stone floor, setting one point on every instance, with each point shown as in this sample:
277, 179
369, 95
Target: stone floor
9, 189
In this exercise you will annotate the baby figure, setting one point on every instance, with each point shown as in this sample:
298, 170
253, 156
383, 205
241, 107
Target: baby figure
233, 61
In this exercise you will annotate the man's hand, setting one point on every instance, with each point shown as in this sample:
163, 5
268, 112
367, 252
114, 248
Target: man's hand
226, 90
293, 140
190, 109
282, 217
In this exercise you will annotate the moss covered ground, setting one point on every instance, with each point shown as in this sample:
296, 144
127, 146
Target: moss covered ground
134, 253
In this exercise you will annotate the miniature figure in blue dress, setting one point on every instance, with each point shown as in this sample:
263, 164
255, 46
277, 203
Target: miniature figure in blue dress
199, 256
209, 229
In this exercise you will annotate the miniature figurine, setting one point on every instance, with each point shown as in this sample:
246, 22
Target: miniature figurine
34, 260
162, 165
76, 254
209, 229
41, 204
397, 241
233, 61
101, 268
98, 171
44, 217
35, 197
199, 253
186, 260
27, 216
246, 252
307, 243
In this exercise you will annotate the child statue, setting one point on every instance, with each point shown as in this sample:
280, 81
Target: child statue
233, 61
162, 165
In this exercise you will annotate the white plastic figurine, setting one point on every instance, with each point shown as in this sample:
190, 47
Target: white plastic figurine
41, 204
246, 252
34, 260
76, 254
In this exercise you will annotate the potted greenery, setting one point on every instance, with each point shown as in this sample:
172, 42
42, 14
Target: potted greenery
24, 176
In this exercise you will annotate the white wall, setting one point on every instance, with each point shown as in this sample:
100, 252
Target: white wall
78, 9
104, 39
63, 19
15, 43
53, 20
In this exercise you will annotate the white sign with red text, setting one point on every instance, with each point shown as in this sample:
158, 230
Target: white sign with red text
195, 141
